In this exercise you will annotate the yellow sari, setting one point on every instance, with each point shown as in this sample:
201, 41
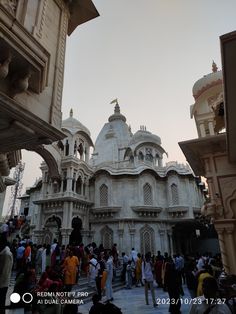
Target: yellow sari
70, 265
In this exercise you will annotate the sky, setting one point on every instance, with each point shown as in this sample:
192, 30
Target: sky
148, 54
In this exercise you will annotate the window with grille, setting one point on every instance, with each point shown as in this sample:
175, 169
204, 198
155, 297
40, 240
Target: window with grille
107, 237
147, 194
147, 238
174, 194
103, 195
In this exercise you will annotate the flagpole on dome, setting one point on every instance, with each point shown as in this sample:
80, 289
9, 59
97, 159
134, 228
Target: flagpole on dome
117, 107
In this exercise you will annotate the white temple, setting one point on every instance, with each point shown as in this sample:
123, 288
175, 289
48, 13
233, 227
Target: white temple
121, 193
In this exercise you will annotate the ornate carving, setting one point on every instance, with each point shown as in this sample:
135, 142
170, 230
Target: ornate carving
10, 5
228, 190
57, 97
4, 66
41, 18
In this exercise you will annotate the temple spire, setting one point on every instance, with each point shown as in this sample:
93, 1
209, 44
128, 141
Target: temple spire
214, 66
71, 113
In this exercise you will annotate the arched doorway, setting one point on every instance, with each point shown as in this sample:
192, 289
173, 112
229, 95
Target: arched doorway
52, 230
75, 236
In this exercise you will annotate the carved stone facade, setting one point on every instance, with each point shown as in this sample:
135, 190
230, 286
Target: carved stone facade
32, 52
121, 193
208, 156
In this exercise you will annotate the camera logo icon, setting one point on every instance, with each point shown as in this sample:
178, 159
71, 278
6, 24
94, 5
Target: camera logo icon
26, 297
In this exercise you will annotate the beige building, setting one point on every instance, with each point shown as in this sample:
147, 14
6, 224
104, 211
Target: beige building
213, 154
32, 52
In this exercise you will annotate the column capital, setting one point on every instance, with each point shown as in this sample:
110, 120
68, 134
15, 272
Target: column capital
65, 231
219, 230
120, 232
162, 232
132, 230
229, 229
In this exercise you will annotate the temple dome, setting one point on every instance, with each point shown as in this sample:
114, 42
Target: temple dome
114, 136
143, 135
207, 81
74, 125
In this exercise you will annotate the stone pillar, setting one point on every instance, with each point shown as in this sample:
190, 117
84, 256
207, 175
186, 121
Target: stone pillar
120, 235
65, 235
86, 236
132, 233
39, 222
91, 236
223, 250
69, 179
162, 248
202, 129
211, 127
65, 214
171, 250
230, 244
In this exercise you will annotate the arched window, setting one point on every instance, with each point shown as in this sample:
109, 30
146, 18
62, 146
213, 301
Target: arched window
81, 151
79, 185
148, 155
174, 194
147, 239
103, 195
67, 146
73, 182
140, 156
107, 237
64, 181
75, 149
147, 194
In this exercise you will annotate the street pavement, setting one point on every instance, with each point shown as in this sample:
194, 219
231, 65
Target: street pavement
133, 302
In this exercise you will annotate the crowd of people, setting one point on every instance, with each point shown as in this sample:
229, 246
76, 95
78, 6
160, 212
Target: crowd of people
54, 267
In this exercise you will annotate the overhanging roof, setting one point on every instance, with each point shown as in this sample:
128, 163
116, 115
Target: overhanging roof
81, 11
195, 150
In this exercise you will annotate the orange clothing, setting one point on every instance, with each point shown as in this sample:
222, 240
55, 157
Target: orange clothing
138, 269
104, 279
27, 252
70, 265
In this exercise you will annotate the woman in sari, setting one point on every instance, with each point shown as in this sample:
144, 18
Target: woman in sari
70, 266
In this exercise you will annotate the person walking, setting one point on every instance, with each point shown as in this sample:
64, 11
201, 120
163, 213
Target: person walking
172, 282
138, 270
93, 271
129, 278
71, 264
6, 263
147, 277
109, 270
101, 267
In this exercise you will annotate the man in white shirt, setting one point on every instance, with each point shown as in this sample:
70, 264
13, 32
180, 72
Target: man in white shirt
6, 263
208, 303
147, 277
109, 270
93, 271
